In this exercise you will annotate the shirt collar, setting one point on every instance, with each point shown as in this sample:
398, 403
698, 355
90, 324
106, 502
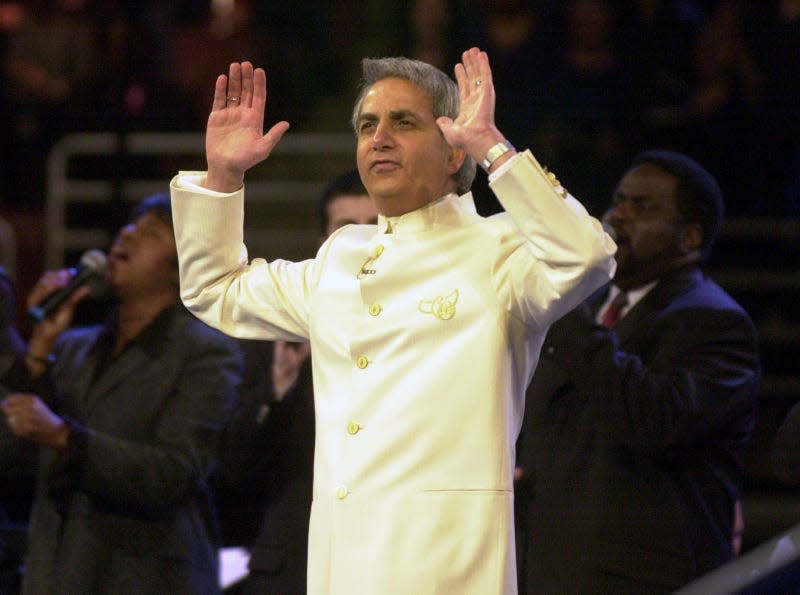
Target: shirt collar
634, 295
151, 339
447, 211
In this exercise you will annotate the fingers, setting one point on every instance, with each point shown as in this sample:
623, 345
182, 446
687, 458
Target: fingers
242, 86
17, 408
476, 68
48, 283
220, 92
234, 95
462, 80
259, 92
246, 87
273, 135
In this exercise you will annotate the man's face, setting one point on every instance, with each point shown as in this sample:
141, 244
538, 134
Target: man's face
143, 258
649, 230
350, 208
402, 156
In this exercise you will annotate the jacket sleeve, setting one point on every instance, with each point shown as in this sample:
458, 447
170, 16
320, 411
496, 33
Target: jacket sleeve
558, 254
249, 300
700, 379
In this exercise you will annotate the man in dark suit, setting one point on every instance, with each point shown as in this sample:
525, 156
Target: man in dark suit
628, 454
268, 453
127, 417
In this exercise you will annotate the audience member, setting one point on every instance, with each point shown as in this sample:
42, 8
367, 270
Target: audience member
129, 93
772, 30
584, 106
15, 482
50, 53
127, 417
722, 108
268, 448
632, 433
436, 312
518, 34
289, 37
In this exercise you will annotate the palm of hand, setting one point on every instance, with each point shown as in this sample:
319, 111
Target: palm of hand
233, 137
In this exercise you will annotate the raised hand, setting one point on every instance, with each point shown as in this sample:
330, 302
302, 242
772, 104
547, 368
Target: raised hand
235, 139
474, 128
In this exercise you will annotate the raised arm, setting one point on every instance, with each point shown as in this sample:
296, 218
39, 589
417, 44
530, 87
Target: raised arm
235, 139
474, 129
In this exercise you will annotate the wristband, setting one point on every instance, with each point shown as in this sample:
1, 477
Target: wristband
495, 153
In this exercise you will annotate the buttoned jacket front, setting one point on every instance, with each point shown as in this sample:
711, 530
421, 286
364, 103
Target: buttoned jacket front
425, 332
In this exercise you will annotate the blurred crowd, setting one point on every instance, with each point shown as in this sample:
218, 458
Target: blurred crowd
584, 83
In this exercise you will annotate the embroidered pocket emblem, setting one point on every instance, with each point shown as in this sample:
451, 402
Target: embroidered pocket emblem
443, 307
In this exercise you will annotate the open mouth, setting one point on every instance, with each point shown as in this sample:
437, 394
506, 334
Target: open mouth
118, 255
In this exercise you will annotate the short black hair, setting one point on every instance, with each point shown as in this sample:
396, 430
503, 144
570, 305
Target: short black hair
347, 184
159, 204
699, 197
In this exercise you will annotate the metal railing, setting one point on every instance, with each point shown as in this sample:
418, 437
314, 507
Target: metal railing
91, 176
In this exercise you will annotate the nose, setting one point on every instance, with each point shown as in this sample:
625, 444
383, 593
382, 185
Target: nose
618, 210
382, 136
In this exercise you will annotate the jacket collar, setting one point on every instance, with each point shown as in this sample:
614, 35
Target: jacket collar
450, 210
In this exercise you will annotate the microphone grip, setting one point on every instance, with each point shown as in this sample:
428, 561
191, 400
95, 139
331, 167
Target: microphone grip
52, 302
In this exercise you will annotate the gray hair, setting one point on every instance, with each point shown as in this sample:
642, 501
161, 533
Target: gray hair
442, 90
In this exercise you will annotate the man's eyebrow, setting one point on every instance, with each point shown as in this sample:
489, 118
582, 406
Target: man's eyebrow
394, 115
631, 196
402, 114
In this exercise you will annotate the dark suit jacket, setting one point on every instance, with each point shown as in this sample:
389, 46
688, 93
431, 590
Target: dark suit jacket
630, 443
268, 468
127, 508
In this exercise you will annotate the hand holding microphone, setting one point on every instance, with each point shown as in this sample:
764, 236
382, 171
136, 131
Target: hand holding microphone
93, 264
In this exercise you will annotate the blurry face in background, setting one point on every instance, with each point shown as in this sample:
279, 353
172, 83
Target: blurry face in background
143, 259
649, 228
350, 208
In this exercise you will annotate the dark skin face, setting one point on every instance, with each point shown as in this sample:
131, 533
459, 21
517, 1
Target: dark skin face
142, 260
652, 238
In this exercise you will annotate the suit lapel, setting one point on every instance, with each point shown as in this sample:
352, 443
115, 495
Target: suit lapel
127, 364
659, 298
138, 354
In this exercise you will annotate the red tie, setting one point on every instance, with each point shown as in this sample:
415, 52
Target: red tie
614, 311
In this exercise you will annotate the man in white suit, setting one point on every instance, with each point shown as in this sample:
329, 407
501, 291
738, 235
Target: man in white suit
425, 328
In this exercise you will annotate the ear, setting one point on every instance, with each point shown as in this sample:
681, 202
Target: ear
455, 159
692, 237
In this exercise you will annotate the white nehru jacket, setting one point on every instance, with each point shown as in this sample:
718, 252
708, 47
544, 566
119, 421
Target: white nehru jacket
425, 331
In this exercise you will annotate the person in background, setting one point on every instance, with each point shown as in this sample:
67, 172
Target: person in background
641, 404
16, 482
268, 448
435, 314
127, 417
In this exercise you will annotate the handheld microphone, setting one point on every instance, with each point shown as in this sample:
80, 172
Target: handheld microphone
93, 264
